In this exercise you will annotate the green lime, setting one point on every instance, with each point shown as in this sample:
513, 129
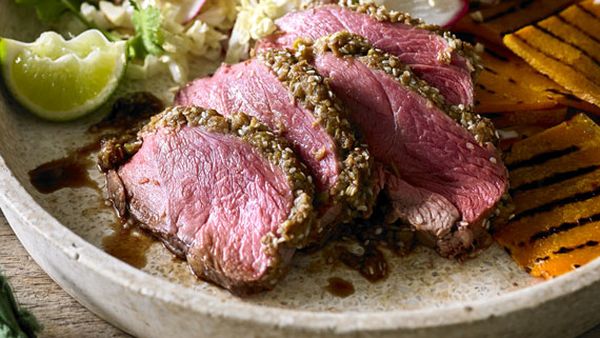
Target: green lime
60, 79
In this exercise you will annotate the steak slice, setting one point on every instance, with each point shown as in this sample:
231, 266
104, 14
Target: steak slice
444, 176
290, 97
224, 193
436, 56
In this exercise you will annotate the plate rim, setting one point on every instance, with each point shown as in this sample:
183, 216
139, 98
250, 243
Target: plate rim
17, 198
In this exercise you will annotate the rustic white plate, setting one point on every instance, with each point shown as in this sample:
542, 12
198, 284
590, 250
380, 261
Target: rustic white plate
425, 295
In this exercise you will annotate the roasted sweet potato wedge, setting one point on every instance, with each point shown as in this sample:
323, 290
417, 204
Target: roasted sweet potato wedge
509, 84
493, 22
566, 48
555, 179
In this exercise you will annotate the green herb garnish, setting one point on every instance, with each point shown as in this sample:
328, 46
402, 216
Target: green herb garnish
15, 322
148, 37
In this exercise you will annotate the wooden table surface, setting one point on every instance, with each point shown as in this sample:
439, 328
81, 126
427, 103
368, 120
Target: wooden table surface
61, 315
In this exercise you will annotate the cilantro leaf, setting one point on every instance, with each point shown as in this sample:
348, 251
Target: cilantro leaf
148, 38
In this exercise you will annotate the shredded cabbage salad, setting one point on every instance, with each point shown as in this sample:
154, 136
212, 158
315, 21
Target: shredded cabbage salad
189, 29
202, 36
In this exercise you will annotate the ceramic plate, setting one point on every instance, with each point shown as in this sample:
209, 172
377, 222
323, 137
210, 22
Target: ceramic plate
68, 231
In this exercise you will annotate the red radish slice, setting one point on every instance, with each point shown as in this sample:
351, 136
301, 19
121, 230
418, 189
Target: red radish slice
189, 10
444, 13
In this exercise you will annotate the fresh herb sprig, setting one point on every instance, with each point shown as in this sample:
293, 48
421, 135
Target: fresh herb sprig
15, 322
147, 39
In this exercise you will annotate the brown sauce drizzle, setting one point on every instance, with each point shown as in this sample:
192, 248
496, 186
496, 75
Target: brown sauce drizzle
339, 287
362, 246
70, 171
371, 264
127, 115
128, 244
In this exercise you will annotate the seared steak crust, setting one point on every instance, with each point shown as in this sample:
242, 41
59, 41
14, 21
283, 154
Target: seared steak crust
435, 55
382, 14
354, 187
287, 94
442, 179
241, 252
352, 45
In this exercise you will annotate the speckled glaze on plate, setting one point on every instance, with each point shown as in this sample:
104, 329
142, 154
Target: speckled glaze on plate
425, 296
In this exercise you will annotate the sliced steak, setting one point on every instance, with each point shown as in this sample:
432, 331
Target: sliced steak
289, 96
440, 59
224, 193
446, 177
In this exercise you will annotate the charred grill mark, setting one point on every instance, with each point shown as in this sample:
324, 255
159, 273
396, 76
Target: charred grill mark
490, 70
482, 87
493, 115
522, 5
541, 259
553, 179
564, 227
587, 11
579, 197
566, 95
564, 250
516, 35
496, 55
556, 91
511, 80
562, 40
569, 23
554, 13
542, 158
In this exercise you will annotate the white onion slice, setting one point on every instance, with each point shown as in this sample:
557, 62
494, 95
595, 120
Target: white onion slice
189, 10
439, 12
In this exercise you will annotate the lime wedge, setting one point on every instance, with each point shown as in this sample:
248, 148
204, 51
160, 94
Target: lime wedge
60, 79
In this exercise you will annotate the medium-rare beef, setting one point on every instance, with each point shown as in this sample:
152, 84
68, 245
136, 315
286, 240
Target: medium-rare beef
444, 176
224, 193
445, 62
291, 97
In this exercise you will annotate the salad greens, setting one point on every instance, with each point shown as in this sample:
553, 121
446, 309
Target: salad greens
15, 322
148, 37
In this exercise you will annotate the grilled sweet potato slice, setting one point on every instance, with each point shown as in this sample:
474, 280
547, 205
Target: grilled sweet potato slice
566, 48
509, 84
555, 178
493, 22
